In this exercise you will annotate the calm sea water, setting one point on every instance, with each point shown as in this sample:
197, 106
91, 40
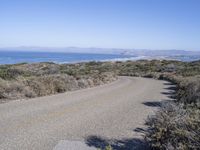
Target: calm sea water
32, 57
8, 57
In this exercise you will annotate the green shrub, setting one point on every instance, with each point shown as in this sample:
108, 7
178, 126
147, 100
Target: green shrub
189, 91
108, 148
175, 128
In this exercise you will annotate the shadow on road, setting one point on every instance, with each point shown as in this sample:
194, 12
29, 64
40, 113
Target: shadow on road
131, 143
169, 83
124, 144
171, 90
152, 104
170, 94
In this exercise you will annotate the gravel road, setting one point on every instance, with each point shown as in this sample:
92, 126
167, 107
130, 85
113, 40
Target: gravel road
114, 111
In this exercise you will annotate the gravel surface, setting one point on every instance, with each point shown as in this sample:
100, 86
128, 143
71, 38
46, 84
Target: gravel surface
73, 145
116, 111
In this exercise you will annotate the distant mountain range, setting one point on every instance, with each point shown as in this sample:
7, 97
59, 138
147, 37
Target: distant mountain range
143, 52
162, 52
135, 54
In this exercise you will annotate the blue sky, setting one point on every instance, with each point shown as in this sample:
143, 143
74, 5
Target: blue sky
140, 24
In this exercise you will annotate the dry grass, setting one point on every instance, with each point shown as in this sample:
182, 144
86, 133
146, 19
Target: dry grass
175, 128
22, 87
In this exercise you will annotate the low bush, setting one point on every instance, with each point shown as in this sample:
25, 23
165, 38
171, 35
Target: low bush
189, 91
21, 86
174, 128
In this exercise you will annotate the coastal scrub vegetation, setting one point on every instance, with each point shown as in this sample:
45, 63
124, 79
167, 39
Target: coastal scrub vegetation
175, 126
22, 81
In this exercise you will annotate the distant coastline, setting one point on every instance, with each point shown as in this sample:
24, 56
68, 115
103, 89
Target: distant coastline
14, 57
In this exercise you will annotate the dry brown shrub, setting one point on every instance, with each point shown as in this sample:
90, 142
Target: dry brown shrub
174, 128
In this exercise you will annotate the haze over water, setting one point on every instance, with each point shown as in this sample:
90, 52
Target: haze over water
12, 57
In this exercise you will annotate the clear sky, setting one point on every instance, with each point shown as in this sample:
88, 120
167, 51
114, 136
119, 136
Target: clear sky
142, 24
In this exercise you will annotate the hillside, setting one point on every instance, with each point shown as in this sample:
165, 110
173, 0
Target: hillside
175, 126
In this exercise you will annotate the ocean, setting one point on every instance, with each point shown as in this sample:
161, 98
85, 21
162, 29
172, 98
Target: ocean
13, 57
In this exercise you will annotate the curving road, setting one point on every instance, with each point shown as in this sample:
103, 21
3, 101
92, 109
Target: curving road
113, 111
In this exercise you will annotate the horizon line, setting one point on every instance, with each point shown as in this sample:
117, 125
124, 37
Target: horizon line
91, 47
